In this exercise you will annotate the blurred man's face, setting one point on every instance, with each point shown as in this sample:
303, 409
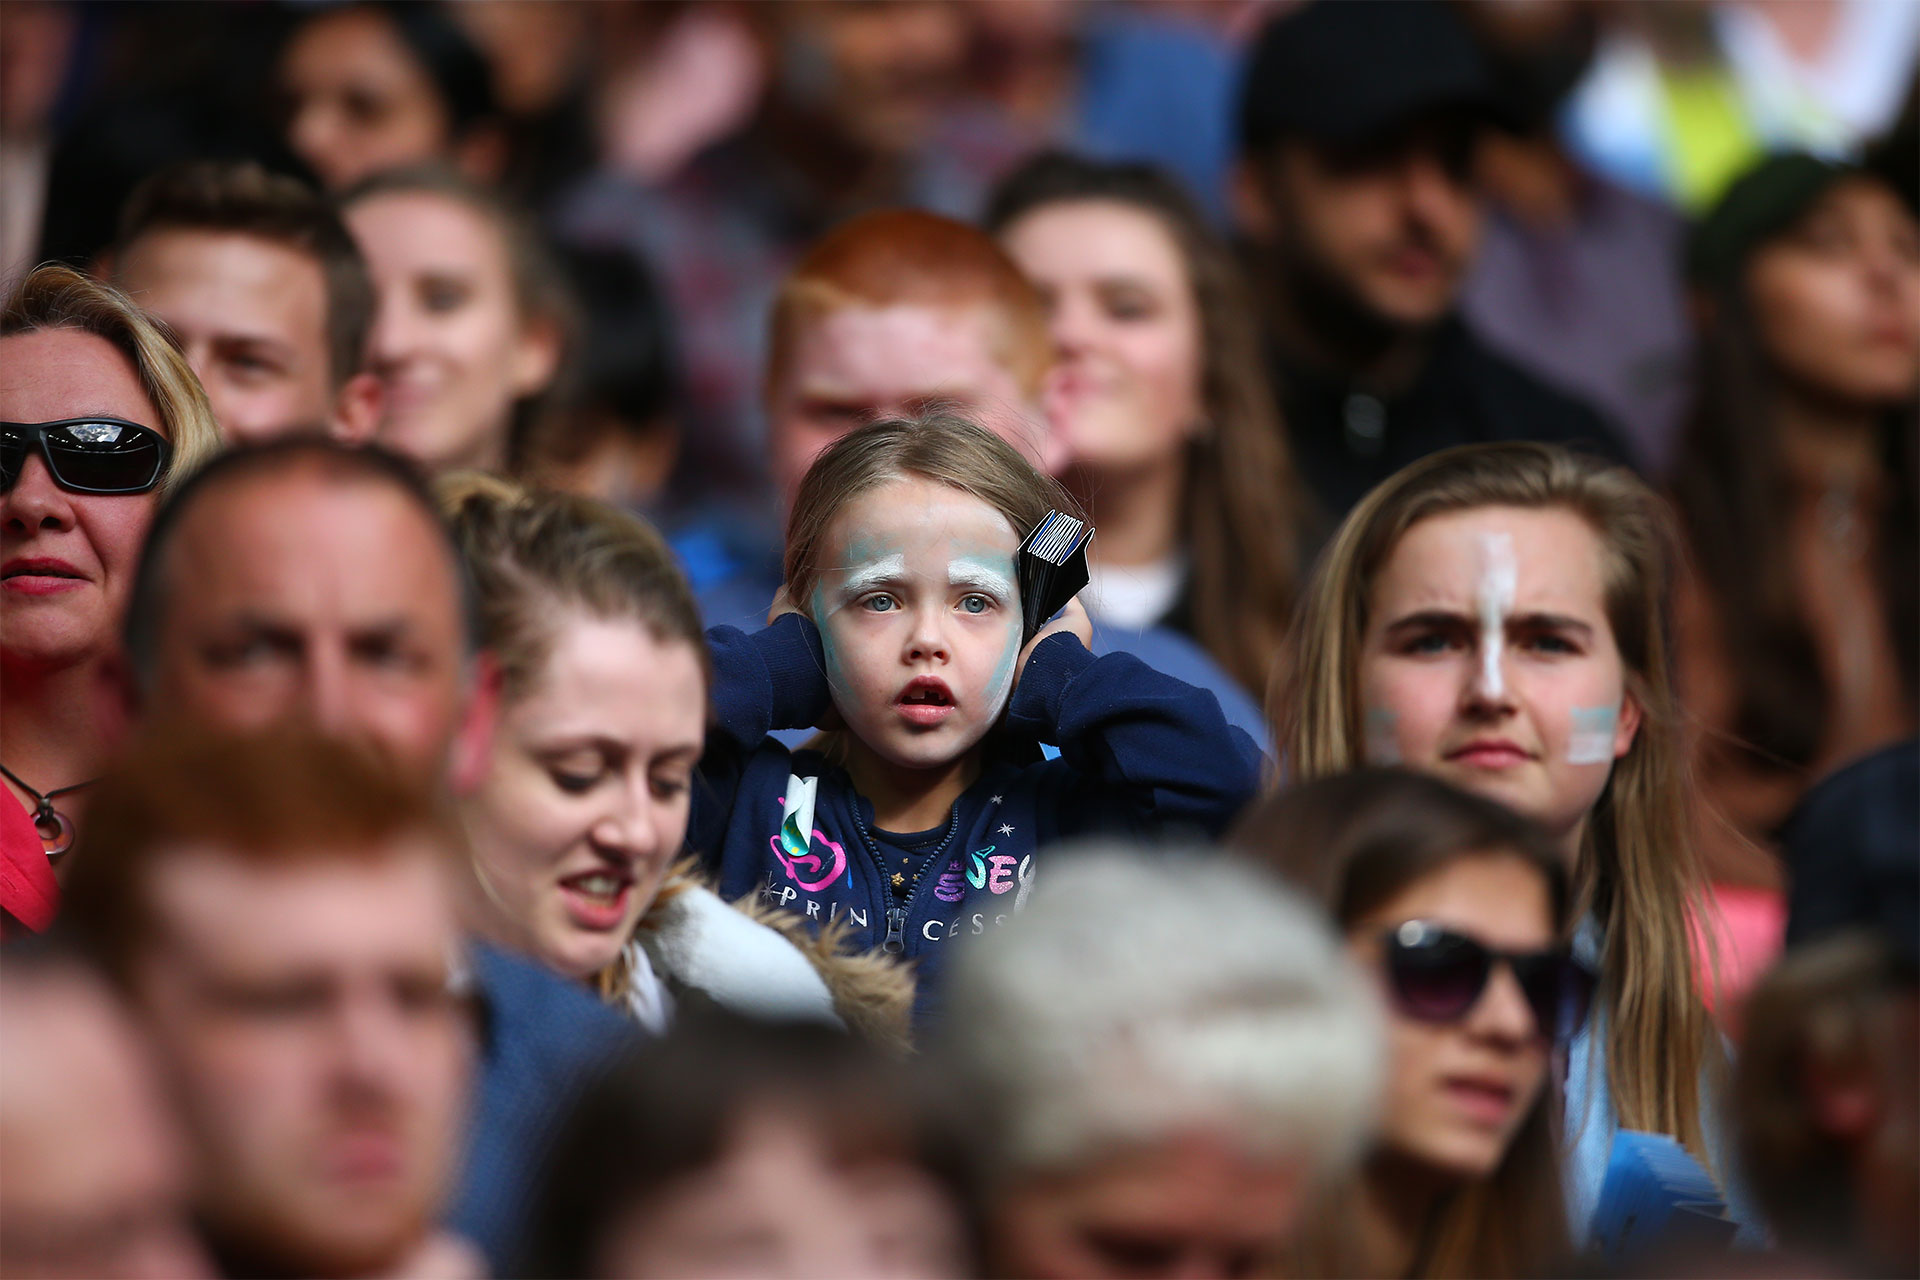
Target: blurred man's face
1391, 226
303, 1014
336, 602
252, 316
1192, 1205
852, 365
96, 1181
884, 69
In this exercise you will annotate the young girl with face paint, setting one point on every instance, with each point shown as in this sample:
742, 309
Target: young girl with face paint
917, 821
1494, 615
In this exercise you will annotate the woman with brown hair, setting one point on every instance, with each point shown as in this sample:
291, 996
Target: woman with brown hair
1172, 437
99, 414
472, 320
1494, 615
1797, 490
1459, 908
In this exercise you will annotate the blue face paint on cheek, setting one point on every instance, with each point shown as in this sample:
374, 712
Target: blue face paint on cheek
836, 673
1000, 683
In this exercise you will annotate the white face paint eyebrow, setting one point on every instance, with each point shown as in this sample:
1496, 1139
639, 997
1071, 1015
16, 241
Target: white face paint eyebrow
868, 576
1495, 600
971, 573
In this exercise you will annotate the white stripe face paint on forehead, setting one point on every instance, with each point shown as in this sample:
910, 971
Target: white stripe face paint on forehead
982, 577
863, 578
1498, 582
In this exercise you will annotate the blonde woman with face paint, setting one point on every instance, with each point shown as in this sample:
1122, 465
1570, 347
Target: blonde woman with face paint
917, 822
1493, 615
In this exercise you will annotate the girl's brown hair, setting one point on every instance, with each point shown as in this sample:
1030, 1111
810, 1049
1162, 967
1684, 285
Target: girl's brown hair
533, 555
58, 297
938, 445
1637, 872
1245, 515
1354, 841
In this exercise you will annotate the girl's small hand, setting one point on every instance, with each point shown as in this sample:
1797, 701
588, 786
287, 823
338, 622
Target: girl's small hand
1073, 620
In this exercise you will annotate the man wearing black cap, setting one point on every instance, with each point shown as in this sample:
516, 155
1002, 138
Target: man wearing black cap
1357, 129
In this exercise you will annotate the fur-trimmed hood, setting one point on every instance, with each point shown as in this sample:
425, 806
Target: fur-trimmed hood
765, 963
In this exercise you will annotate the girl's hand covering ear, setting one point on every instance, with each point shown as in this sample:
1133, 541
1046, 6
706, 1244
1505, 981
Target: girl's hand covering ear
1073, 620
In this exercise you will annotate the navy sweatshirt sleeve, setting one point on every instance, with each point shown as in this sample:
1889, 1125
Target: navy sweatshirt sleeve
774, 678
1138, 749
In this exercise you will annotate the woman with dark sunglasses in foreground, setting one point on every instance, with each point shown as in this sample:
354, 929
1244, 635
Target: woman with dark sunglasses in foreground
1459, 908
98, 414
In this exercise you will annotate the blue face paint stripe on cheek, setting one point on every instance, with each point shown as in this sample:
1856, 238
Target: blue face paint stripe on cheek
1590, 741
836, 674
1000, 684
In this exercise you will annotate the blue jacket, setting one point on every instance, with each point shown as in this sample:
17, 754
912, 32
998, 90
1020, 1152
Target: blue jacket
539, 1035
1140, 753
1590, 1122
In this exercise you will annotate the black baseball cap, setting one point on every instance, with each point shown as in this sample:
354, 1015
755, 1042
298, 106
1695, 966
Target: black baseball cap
1349, 71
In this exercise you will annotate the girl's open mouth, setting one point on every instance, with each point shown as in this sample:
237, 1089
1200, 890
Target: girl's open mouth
925, 701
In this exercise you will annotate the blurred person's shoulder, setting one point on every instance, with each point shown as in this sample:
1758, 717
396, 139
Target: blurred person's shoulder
535, 1016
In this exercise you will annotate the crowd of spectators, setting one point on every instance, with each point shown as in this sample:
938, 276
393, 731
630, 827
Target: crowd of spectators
538, 740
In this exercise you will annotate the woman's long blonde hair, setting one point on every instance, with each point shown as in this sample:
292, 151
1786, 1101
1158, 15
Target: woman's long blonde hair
1636, 872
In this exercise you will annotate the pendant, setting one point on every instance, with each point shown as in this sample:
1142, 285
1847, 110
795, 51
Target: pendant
54, 828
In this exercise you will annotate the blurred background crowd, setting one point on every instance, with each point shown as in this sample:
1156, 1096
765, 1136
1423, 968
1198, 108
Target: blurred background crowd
397, 391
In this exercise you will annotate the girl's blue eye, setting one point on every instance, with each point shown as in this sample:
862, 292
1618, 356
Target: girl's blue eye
976, 604
878, 604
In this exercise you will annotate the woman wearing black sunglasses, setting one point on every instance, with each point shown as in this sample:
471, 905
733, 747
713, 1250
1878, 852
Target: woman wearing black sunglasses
1458, 906
98, 414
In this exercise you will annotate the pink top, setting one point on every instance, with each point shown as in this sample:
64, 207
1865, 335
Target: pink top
1749, 927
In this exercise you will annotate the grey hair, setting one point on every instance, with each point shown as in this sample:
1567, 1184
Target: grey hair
1142, 992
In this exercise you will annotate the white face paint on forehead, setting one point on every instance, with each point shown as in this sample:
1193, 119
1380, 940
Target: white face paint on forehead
1498, 582
972, 573
864, 577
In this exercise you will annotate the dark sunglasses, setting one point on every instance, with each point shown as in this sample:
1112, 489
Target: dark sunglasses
86, 455
1437, 975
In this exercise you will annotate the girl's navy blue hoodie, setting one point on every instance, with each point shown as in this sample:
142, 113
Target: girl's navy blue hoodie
1141, 753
